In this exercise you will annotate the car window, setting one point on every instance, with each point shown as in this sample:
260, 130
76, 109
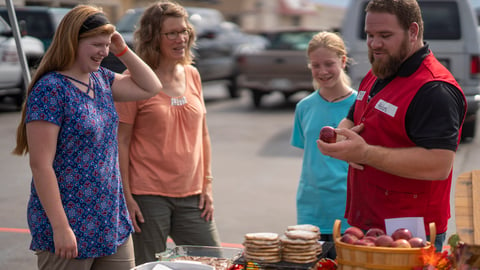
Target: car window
40, 22
296, 41
200, 18
58, 14
128, 22
4, 15
37, 24
4, 26
440, 19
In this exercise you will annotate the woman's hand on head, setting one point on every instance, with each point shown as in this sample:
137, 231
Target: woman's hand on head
117, 43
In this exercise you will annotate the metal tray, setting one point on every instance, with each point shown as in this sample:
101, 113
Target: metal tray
199, 251
221, 258
173, 266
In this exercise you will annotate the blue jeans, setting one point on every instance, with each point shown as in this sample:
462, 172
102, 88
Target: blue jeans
439, 239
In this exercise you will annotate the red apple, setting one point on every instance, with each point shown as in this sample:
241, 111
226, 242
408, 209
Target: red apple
384, 241
370, 238
363, 242
348, 238
417, 242
354, 231
401, 243
328, 135
375, 232
401, 233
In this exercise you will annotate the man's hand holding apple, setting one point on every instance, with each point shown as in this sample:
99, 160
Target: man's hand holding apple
349, 147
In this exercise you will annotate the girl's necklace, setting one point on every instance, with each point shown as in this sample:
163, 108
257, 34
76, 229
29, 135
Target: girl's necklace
337, 98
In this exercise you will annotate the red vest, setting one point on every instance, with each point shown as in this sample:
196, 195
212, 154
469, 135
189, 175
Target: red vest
374, 195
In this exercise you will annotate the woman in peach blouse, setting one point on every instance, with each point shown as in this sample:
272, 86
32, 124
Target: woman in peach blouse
164, 145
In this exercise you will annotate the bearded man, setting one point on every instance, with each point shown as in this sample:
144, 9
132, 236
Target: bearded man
401, 134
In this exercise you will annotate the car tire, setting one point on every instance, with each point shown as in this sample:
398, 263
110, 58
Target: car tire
33, 63
257, 97
468, 129
18, 99
287, 95
233, 89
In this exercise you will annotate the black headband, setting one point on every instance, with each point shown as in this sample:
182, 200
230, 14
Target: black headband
92, 22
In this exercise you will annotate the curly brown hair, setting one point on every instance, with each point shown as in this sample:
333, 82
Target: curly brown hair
148, 35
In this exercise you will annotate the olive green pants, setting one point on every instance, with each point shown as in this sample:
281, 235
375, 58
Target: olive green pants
178, 218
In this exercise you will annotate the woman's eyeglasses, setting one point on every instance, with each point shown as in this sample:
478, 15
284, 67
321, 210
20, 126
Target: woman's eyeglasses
174, 34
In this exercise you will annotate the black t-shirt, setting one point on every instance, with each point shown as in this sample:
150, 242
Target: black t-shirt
436, 112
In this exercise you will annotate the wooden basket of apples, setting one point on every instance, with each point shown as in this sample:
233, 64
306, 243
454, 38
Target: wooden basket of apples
375, 250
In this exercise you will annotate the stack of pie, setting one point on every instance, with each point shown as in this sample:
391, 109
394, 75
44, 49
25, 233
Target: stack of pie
300, 244
262, 247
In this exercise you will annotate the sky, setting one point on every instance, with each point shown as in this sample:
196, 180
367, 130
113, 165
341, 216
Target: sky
344, 3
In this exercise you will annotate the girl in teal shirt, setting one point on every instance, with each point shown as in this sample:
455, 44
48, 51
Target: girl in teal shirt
321, 193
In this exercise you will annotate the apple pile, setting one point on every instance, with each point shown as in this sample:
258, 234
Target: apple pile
400, 238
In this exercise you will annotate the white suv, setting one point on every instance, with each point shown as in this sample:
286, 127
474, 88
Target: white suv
450, 30
11, 79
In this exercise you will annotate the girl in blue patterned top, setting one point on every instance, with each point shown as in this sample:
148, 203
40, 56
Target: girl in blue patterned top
77, 213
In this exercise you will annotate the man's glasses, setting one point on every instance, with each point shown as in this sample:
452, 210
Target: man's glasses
174, 34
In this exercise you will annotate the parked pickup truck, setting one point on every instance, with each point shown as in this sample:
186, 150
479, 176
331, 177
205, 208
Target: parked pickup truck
281, 66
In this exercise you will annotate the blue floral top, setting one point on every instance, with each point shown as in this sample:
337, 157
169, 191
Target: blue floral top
86, 164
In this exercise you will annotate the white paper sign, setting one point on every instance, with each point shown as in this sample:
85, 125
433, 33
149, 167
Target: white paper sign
413, 224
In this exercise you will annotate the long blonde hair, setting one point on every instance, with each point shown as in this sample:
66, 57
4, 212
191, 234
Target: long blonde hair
333, 42
60, 56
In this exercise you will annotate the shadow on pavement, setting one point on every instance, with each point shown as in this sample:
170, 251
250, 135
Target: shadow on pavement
279, 146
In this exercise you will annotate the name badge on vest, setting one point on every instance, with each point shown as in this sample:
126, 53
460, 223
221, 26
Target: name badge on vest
386, 107
360, 95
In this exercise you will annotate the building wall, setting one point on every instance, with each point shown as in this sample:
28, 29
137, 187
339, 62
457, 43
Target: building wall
328, 17
257, 15
250, 15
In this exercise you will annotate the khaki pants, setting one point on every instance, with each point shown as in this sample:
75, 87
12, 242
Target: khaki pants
122, 260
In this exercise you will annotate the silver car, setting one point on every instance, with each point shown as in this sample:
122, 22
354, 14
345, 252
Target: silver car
11, 79
217, 43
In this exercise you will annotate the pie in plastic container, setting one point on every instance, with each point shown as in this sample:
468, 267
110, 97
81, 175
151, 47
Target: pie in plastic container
220, 258
175, 265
